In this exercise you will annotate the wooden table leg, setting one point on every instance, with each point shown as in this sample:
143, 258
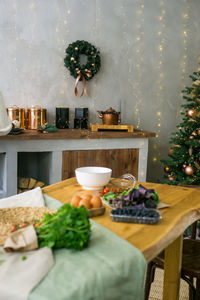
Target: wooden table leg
173, 260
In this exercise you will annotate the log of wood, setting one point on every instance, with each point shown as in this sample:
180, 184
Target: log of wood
23, 182
32, 183
26, 184
39, 184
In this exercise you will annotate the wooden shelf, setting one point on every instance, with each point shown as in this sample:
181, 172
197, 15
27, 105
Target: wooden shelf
76, 134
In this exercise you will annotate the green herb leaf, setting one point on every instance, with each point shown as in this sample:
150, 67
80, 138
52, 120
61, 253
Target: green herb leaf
24, 257
68, 228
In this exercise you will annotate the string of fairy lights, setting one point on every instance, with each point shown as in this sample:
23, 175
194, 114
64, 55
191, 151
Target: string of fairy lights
160, 80
64, 84
139, 60
184, 35
16, 35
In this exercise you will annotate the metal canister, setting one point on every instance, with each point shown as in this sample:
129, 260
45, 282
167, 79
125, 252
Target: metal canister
17, 113
36, 116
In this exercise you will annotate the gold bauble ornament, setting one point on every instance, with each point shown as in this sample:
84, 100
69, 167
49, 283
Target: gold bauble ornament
191, 113
76, 48
189, 170
171, 150
166, 169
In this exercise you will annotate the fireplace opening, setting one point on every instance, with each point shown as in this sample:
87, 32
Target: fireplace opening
33, 170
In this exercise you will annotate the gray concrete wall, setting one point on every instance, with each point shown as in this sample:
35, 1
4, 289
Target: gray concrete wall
148, 49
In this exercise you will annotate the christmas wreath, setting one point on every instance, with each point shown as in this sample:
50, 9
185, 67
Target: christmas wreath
85, 71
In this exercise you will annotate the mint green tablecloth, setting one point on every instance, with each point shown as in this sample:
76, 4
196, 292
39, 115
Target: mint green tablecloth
109, 269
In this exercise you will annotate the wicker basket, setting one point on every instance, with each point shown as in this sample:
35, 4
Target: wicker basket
18, 215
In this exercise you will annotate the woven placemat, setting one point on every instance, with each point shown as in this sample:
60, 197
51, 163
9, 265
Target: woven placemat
18, 215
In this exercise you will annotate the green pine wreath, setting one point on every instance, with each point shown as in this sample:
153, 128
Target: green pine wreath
72, 59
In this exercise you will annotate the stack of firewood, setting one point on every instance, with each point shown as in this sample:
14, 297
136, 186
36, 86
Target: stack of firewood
25, 184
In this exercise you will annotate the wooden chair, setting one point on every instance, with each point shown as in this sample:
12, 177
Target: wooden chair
190, 266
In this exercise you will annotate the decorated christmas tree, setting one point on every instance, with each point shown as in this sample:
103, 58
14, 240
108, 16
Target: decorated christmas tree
183, 164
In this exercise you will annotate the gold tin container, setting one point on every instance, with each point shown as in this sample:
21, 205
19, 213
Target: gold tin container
16, 113
36, 116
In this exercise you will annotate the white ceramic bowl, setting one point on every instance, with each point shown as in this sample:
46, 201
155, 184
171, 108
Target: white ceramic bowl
93, 178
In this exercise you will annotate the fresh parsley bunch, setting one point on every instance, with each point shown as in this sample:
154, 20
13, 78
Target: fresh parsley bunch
68, 228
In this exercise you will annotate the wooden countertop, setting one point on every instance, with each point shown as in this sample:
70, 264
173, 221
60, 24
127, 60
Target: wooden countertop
184, 209
63, 134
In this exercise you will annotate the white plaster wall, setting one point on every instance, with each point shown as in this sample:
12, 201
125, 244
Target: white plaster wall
34, 35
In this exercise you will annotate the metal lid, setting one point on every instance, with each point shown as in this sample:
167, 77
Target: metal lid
36, 108
14, 107
109, 111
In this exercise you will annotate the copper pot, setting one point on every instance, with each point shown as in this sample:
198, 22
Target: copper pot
36, 116
109, 117
16, 113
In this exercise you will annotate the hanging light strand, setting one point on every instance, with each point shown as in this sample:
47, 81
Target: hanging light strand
184, 36
138, 63
160, 80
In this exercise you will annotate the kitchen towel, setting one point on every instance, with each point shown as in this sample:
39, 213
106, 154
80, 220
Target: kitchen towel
20, 272
33, 197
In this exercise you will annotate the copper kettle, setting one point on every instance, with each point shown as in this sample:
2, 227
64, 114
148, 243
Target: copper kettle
109, 117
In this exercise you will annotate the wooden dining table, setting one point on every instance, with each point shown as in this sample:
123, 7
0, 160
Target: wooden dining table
183, 210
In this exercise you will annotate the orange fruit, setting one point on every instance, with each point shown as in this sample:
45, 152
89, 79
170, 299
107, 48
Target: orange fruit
96, 202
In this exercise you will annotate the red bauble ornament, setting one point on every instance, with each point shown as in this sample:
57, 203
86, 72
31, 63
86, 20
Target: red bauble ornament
191, 113
189, 170
191, 137
198, 131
